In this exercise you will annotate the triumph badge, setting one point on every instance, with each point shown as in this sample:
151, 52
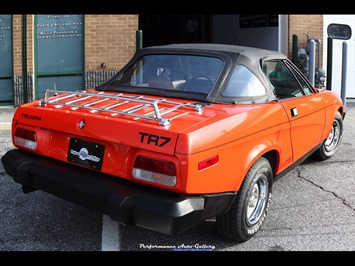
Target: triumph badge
81, 124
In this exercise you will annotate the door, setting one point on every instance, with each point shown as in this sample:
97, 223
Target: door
303, 105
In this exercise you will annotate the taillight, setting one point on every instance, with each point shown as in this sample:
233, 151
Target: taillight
155, 171
25, 138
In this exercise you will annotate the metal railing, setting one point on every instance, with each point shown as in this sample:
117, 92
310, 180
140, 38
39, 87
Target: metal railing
96, 78
136, 106
18, 89
92, 79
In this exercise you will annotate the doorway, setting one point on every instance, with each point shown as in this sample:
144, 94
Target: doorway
167, 29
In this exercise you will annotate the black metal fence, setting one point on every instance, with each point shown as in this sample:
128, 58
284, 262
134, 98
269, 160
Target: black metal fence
19, 98
96, 78
92, 79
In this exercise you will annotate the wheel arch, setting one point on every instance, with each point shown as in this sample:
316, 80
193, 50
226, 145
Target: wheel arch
342, 111
271, 154
273, 157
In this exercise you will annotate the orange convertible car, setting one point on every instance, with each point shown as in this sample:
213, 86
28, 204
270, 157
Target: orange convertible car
183, 133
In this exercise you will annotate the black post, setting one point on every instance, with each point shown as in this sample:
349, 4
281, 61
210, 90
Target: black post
24, 58
139, 45
139, 39
329, 64
295, 49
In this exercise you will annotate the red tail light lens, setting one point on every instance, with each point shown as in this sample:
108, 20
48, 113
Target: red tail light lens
153, 165
155, 171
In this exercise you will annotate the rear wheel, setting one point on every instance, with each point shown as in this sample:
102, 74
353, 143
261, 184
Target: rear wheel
248, 211
332, 143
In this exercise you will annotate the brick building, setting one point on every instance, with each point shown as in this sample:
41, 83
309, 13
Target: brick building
111, 40
108, 38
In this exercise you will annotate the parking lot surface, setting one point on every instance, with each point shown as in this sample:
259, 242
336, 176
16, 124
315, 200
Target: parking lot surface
312, 209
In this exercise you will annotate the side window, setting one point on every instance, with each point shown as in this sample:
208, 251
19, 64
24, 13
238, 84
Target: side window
283, 82
243, 83
306, 89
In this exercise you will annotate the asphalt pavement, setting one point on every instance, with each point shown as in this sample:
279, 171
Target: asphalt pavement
312, 209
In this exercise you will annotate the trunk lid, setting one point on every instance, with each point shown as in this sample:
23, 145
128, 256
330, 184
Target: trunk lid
138, 121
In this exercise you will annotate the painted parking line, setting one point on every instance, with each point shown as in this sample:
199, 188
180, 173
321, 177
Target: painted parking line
5, 125
110, 235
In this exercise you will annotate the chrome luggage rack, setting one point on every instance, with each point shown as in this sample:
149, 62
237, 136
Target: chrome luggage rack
70, 98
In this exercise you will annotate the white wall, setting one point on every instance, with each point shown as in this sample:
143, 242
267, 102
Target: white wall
338, 54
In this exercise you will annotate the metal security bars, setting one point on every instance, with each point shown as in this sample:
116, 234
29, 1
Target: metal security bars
92, 79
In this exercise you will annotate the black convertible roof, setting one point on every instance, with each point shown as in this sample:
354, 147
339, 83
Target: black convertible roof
232, 55
253, 53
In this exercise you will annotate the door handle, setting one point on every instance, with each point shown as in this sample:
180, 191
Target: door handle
294, 111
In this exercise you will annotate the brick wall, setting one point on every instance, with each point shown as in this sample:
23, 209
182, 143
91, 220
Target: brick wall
109, 39
16, 25
17, 43
300, 25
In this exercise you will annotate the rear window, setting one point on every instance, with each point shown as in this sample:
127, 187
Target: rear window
173, 72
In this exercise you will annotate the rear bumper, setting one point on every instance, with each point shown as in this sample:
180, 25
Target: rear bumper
125, 202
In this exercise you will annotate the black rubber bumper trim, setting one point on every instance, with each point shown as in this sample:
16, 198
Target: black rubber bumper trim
124, 201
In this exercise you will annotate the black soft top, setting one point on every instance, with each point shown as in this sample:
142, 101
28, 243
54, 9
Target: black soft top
232, 55
253, 53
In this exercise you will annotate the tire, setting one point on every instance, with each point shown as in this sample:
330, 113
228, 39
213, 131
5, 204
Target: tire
332, 143
249, 209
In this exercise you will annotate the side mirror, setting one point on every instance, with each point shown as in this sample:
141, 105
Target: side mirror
339, 31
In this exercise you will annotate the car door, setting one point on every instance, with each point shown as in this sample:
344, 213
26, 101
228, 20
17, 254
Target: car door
303, 105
